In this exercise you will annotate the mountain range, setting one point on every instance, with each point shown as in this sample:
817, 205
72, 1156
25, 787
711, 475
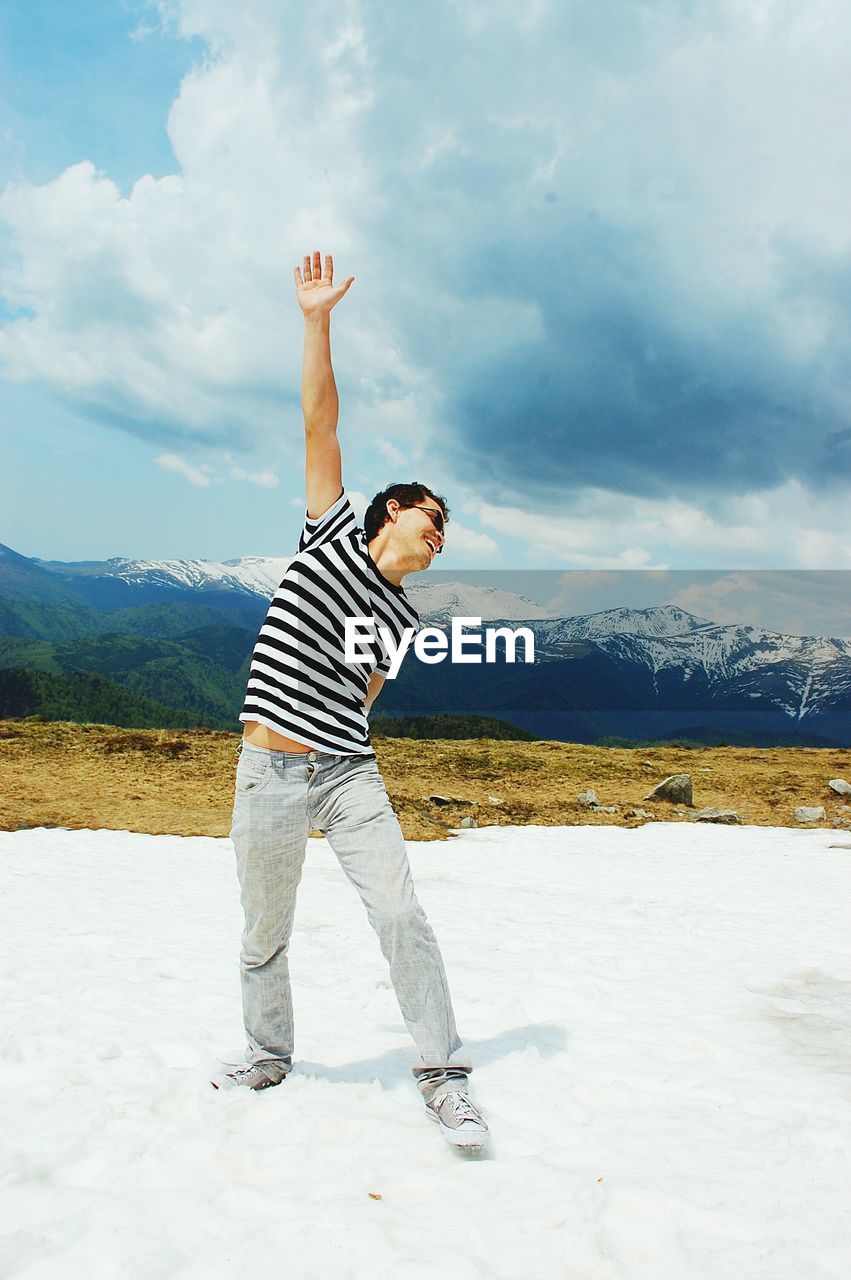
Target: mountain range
179, 634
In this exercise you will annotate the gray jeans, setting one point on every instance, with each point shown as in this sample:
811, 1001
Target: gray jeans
280, 797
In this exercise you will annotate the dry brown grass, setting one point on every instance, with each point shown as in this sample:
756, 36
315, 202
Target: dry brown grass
181, 781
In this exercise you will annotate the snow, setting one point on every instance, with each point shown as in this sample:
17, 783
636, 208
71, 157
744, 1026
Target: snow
439, 602
659, 620
659, 1018
259, 575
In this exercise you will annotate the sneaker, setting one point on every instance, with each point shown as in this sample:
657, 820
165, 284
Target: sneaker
260, 1075
461, 1123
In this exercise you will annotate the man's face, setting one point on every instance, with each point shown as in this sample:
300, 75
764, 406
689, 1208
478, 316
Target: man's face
415, 531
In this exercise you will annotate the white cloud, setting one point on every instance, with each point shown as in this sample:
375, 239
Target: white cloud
605, 530
728, 599
142, 31
359, 502
798, 602
266, 479
698, 143
391, 453
466, 542
205, 473
200, 476
585, 591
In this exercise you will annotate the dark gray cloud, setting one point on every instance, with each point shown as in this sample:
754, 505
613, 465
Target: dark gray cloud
615, 169
619, 394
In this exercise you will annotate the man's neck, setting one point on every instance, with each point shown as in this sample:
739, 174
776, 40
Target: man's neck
385, 561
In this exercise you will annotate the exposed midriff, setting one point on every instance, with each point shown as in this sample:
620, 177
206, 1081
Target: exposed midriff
260, 735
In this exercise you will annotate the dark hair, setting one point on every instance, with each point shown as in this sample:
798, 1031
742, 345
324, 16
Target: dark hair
407, 495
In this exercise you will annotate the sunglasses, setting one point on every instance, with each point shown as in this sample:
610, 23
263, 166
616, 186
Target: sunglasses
435, 516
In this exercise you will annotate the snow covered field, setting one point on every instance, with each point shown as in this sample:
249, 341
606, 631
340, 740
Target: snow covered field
660, 1021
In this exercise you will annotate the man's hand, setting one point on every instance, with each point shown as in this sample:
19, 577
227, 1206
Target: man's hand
315, 290
317, 295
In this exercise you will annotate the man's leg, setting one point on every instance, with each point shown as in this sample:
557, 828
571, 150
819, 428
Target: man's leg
269, 833
349, 804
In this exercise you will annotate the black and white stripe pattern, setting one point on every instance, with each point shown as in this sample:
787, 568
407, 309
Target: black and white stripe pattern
299, 683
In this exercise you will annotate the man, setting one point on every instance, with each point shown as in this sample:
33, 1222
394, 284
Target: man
306, 760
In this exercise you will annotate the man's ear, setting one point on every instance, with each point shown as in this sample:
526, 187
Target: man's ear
393, 509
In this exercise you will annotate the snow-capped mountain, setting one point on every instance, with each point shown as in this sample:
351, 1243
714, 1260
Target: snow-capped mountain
799, 674
258, 575
438, 603
660, 662
663, 620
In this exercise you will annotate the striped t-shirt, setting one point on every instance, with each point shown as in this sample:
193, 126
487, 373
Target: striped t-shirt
300, 684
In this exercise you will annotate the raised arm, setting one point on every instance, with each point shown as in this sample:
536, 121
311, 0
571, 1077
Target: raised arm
317, 295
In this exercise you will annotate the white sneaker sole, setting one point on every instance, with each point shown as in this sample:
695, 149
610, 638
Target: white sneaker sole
222, 1081
468, 1138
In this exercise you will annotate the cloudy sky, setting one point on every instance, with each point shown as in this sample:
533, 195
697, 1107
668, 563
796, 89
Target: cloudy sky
602, 260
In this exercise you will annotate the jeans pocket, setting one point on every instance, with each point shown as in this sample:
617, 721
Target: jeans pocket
252, 774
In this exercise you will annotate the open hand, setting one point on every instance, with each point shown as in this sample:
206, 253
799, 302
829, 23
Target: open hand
315, 289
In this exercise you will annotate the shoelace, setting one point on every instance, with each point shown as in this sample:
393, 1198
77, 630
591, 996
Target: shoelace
247, 1071
461, 1106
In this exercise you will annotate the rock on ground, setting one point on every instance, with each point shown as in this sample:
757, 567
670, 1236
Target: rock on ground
728, 817
676, 788
810, 813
